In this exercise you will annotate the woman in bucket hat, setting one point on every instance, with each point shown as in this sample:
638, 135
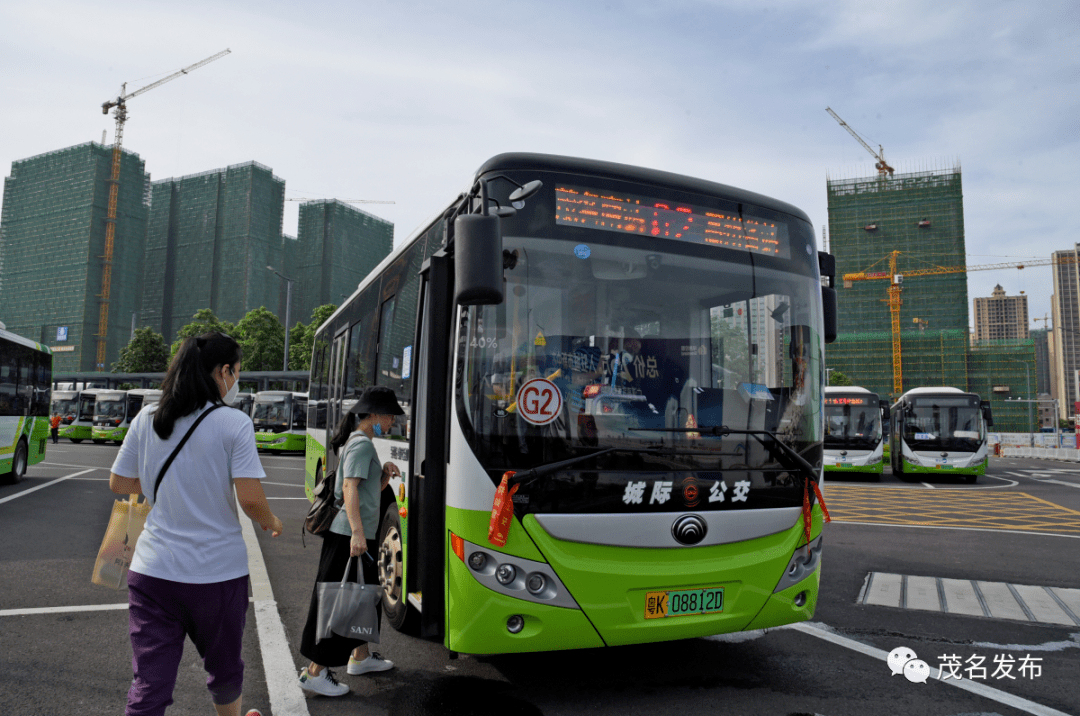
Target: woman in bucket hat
361, 480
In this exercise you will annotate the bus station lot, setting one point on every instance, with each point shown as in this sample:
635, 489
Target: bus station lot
900, 563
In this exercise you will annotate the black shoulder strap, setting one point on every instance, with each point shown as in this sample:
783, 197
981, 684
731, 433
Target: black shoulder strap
180, 445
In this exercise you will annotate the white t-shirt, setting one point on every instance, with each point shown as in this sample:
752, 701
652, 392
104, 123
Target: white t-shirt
192, 534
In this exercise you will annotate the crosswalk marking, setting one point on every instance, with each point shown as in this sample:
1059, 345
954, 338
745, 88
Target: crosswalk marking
995, 600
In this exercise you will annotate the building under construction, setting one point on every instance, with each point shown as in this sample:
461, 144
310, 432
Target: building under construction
337, 245
52, 243
210, 238
905, 319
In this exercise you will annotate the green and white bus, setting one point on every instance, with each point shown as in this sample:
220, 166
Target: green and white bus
76, 410
854, 433
638, 356
243, 403
936, 430
280, 418
115, 410
25, 384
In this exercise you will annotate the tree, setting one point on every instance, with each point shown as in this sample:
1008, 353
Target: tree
302, 338
146, 353
204, 321
838, 378
262, 338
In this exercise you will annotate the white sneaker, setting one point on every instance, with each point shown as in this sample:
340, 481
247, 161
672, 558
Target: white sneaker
324, 684
374, 662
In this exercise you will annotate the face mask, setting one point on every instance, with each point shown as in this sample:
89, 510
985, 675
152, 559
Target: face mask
231, 394
378, 428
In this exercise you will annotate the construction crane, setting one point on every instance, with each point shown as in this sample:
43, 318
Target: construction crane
896, 280
881, 165
119, 105
345, 201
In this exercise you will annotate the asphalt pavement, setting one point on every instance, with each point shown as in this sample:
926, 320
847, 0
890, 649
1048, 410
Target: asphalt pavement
64, 646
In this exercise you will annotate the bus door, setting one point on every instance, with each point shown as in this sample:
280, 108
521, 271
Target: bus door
426, 481
335, 390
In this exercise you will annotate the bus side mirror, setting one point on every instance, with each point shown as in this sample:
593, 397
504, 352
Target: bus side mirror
827, 269
884, 410
828, 312
987, 415
478, 260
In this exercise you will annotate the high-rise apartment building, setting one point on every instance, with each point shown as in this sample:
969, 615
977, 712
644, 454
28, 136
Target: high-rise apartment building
210, 238
337, 245
1065, 338
921, 216
1001, 316
52, 248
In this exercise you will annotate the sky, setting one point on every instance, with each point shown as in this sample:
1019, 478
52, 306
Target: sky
400, 101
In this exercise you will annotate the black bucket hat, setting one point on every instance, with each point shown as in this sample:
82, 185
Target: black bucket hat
377, 400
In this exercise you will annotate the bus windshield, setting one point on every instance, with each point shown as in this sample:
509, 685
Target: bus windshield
86, 407
65, 408
635, 346
110, 409
134, 405
272, 413
852, 424
944, 423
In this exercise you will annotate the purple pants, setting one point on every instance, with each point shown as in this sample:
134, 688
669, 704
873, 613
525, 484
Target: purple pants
161, 613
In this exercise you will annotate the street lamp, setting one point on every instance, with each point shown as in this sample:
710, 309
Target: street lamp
288, 306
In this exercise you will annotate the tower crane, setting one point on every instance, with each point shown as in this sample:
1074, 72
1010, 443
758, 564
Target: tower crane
119, 105
881, 165
896, 280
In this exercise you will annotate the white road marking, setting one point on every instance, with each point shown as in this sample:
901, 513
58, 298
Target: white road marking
963, 529
286, 498
43, 486
281, 673
928, 485
282, 484
822, 631
997, 600
62, 610
60, 464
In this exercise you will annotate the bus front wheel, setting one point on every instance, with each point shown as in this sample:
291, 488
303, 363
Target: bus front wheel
76, 440
391, 574
98, 441
18, 464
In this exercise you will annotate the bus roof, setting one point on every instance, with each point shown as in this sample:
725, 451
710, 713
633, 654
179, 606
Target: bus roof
16, 338
846, 389
64, 394
149, 392
932, 391
574, 165
111, 394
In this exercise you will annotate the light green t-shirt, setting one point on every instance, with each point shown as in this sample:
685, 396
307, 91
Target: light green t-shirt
359, 460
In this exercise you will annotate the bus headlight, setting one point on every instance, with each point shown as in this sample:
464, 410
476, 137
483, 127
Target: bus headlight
505, 573
535, 583
477, 560
515, 624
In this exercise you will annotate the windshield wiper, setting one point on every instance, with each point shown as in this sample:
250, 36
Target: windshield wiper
522, 477
721, 431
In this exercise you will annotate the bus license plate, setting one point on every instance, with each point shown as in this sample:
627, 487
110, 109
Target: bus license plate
845, 464
680, 603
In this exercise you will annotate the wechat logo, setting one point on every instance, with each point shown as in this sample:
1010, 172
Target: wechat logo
903, 660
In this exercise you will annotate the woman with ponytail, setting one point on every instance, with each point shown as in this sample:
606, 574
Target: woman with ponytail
361, 480
189, 573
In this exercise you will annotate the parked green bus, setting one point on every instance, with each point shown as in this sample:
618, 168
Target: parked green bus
629, 362
115, 410
25, 385
280, 419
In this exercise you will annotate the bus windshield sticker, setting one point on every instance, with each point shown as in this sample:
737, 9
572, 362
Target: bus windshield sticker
582, 251
755, 391
925, 436
406, 363
634, 214
539, 401
973, 435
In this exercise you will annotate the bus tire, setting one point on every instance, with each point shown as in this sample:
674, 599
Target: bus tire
98, 441
970, 479
391, 568
76, 440
18, 464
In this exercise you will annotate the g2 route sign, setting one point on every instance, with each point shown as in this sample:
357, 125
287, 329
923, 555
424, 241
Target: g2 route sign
539, 401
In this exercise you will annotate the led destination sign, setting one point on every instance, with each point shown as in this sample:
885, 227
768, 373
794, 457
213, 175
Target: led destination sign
847, 401
628, 213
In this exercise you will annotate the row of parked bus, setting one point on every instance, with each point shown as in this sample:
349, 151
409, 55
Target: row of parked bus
928, 430
99, 415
